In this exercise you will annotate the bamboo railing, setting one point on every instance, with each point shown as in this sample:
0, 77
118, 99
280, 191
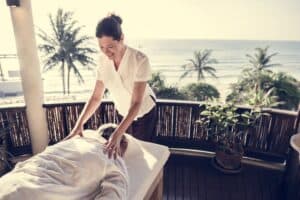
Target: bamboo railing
13, 123
268, 140
176, 127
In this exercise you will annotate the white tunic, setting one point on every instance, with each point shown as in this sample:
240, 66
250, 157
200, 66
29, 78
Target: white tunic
134, 67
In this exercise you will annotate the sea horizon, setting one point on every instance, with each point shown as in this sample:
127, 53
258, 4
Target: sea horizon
168, 55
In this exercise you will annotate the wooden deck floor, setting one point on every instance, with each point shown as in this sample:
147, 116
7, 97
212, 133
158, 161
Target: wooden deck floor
187, 177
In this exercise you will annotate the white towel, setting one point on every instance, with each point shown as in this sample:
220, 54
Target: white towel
73, 169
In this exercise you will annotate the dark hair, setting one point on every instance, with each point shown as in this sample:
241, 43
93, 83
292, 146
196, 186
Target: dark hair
106, 130
110, 26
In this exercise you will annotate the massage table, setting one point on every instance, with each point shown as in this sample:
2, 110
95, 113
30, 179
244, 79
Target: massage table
145, 164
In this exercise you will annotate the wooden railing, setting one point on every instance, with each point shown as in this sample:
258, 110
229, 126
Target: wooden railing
176, 127
13, 122
267, 140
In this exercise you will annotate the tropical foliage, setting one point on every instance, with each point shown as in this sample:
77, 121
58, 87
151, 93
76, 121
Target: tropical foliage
171, 92
260, 61
259, 85
194, 91
162, 91
202, 64
157, 81
226, 126
63, 47
201, 92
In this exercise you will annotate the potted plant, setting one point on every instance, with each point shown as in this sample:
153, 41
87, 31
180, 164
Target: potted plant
227, 129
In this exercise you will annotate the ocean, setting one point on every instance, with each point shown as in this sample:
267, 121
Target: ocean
168, 55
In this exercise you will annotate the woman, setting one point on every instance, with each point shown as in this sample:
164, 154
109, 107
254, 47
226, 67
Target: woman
124, 71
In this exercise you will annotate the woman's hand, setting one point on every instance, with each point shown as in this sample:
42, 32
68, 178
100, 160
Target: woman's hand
77, 130
112, 146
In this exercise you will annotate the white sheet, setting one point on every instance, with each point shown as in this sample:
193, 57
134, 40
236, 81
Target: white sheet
144, 160
71, 169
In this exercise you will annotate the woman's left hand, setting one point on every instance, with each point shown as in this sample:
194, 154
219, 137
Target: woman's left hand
112, 146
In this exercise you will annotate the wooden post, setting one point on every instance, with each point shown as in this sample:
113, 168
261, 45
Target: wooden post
30, 73
291, 174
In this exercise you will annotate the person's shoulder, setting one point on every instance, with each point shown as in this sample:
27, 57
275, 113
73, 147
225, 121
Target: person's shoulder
102, 61
102, 57
137, 54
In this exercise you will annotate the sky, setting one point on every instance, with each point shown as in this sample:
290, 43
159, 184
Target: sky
170, 19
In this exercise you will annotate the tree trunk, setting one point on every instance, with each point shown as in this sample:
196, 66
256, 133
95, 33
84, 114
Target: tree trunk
63, 76
1, 73
68, 80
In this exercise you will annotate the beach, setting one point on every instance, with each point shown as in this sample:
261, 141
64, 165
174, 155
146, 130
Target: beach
168, 57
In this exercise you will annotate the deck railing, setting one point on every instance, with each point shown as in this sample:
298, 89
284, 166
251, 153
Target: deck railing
176, 127
13, 122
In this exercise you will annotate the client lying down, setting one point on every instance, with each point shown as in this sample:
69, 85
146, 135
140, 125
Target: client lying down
73, 169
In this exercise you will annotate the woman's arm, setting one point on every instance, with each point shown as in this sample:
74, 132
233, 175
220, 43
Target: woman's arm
89, 109
136, 101
93, 103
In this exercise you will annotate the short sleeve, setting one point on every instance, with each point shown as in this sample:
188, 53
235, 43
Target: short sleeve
143, 72
99, 74
99, 70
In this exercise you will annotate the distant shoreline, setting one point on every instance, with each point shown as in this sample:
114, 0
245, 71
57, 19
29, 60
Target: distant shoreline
168, 55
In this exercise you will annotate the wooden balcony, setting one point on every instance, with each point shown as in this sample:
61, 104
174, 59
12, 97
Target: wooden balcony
192, 177
188, 174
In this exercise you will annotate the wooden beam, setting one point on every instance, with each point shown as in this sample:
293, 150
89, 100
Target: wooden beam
30, 71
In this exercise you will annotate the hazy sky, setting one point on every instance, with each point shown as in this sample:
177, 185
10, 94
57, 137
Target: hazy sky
203, 19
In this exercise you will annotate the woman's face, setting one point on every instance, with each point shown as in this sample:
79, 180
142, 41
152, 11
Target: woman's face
110, 47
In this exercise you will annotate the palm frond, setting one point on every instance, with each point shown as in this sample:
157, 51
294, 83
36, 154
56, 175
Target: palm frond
46, 48
185, 74
46, 37
193, 63
54, 28
206, 54
76, 72
272, 65
212, 61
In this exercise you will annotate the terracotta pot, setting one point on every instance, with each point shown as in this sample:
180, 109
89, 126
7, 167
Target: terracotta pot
228, 161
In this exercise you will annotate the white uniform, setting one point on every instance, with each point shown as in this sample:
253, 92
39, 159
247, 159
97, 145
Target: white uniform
134, 67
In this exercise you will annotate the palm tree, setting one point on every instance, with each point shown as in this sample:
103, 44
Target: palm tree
287, 88
260, 64
261, 60
1, 73
64, 47
200, 64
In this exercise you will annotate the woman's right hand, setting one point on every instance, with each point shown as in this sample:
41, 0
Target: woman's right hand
77, 130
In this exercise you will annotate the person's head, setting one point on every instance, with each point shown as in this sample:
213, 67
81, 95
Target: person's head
110, 35
107, 129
